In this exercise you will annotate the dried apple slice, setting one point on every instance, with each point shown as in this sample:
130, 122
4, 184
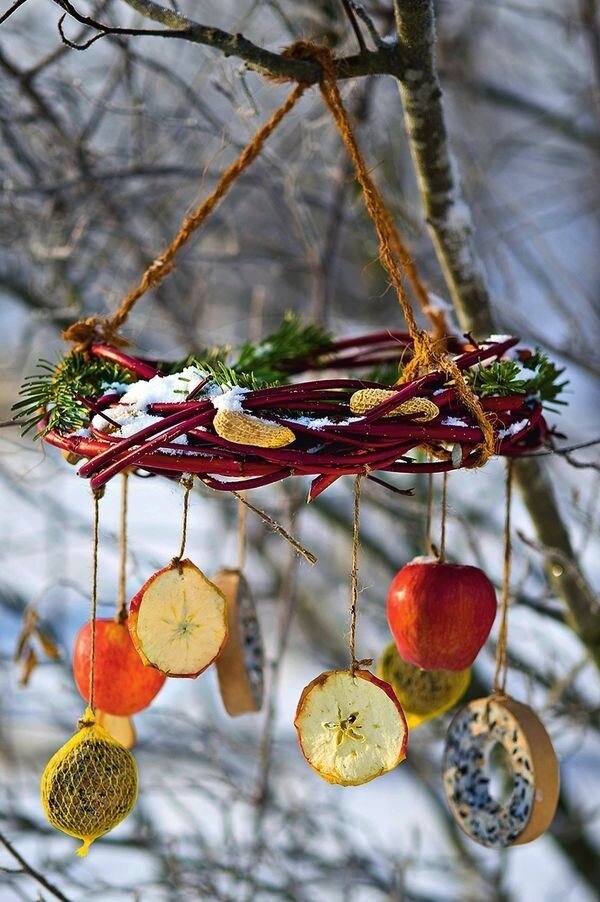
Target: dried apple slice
351, 727
240, 665
178, 620
423, 694
120, 728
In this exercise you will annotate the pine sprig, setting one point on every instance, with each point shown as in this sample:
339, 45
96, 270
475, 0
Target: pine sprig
228, 377
270, 359
506, 377
52, 393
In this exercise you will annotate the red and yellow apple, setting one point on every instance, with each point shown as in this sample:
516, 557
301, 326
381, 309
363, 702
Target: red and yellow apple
178, 620
122, 684
440, 614
423, 694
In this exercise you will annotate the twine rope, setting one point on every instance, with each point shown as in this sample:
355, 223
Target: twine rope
501, 671
95, 328
97, 495
442, 555
242, 532
354, 663
122, 596
429, 513
188, 483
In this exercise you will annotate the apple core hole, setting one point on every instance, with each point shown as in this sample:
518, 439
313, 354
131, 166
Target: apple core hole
500, 773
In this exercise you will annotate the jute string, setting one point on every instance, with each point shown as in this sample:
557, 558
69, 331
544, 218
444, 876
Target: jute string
122, 595
354, 663
188, 483
97, 495
428, 349
442, 555
429, 513
501, 671
96, 328
242, 532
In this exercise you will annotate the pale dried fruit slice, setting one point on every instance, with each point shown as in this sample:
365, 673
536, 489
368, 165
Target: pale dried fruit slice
178, 620
420, 409
120, 728
243, 429
423, 694
240, 665
351, 727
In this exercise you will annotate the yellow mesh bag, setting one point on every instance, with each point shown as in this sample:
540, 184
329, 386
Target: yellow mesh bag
90, 785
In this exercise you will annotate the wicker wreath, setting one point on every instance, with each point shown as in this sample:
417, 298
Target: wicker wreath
238, 438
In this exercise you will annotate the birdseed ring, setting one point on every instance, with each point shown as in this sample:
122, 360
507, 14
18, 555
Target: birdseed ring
531, 804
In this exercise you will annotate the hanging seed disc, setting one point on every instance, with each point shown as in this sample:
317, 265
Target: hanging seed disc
534, 781
240, 664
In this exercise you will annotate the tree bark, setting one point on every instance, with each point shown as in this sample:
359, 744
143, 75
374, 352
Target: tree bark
449, 221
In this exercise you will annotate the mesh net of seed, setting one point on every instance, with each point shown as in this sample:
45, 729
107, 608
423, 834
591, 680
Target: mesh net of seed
90, 784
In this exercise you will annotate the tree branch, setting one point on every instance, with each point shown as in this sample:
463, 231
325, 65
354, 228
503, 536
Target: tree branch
449, 221
28, 869
381, 61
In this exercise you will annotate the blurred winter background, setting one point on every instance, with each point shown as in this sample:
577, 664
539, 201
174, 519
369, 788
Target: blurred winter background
102, 151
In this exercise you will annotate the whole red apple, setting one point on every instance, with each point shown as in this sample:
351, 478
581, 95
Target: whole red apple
122, 683
440, 614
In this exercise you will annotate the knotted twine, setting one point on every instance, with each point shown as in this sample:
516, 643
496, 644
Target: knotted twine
394, 256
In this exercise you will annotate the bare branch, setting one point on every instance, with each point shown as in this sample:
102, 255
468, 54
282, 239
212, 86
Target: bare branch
28, 869
383, 60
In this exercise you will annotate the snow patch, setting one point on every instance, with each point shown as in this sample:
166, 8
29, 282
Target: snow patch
231, 399
513, 429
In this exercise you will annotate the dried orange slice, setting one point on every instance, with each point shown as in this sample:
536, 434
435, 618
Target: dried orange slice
178, 620
351, 727
240, 665
120, 728
423, 694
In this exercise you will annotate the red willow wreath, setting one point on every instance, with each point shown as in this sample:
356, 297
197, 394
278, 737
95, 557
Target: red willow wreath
380, 440
322, 428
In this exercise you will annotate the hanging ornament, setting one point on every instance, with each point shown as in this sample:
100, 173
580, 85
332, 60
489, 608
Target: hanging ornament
124, 685
240, 664
351, 727
440, 614
178, 619
423, 694
500, 721
90, 784
120, 728
467, 773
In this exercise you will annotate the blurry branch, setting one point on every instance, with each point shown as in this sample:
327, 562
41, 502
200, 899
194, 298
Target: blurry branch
28, 869
368, 62
12, 9
449, 220
567, 453
507, 99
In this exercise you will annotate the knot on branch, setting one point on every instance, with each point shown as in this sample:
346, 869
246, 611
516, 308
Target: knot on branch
309, 52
